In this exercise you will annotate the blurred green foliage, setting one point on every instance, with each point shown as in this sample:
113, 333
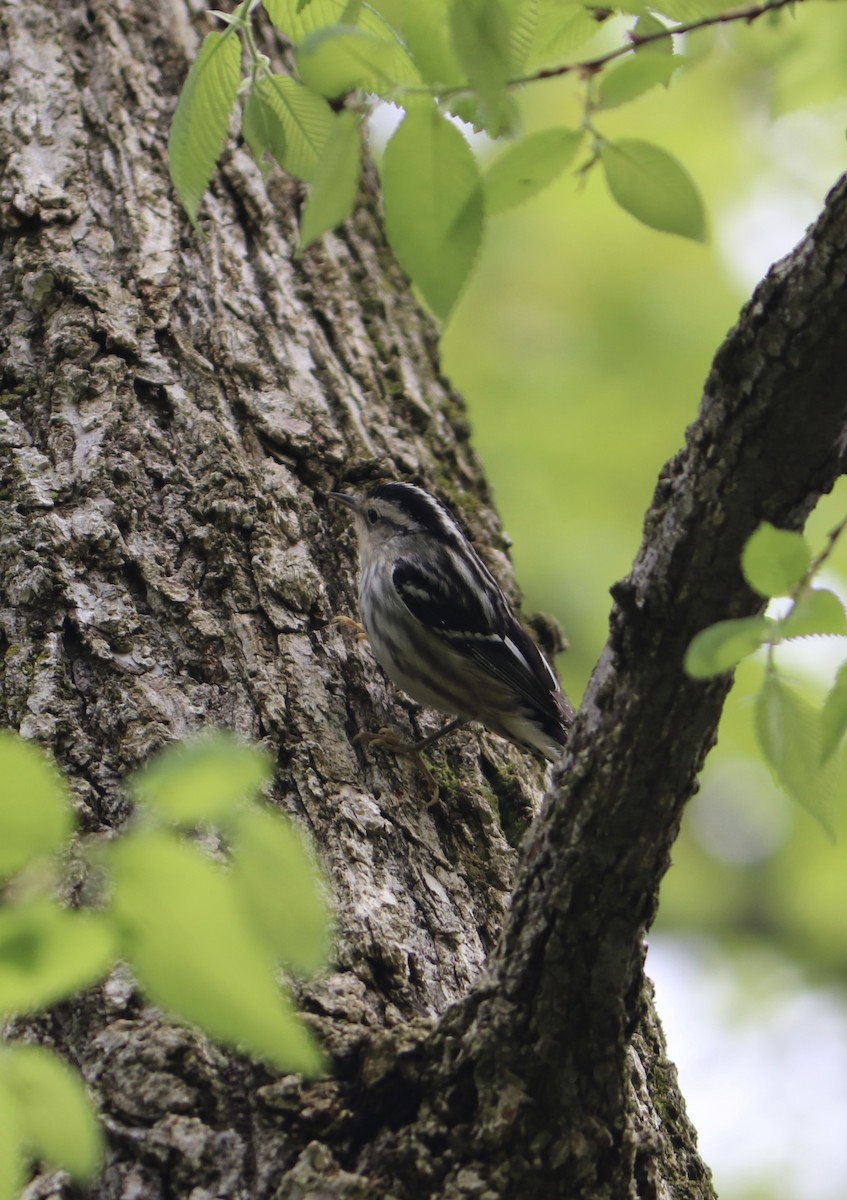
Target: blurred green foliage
582, 345
204, 938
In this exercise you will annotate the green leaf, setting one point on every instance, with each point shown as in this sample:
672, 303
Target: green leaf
721, 647
282, 889
11, 1150
692, 10
56, 1119
297, 23
188, 938
775, 560
634, 76
425, 30
47, 953
35, 816
202, 780
343, 58
433, 205
646, 26
306, 121
481, 38
261, 127
653, 187
523, 169
788, 731
817, 611
201, 120
834, 715
522, 17
335, 184
560, 29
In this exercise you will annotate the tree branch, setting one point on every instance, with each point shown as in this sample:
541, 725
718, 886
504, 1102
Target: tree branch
636, 41
770, 438
538, 1102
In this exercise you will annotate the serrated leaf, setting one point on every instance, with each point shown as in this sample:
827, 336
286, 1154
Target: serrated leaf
35, 815
433, 205
523, 18
775, 560
788, 731
652, 186
306, 121
722, 646
634, 76
261, 127
343, 58
47, 953
55, 1117
560, 29
481, 39
335, 185
202, 116
11, 1150
648, 25
522, 170
281, 887
691, 10
297, 23
202, 780
425, 30
834, 715
818, 611
188, 939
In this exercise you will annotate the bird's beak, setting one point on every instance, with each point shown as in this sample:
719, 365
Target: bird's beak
343, 498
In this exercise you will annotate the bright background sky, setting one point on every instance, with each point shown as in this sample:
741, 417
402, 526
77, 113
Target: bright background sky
581, 347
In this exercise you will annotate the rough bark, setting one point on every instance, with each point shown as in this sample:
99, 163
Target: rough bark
174, 410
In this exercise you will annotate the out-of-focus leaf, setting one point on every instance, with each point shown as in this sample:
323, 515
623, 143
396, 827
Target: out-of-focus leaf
817, 611
425, 29
47, 953
646, 26
187, 936
788, 731
343, 58
282, 889
721, 647
203, 780
691, 10
775, 560
834, 715
35, 816
54, 1114
11, 1150
481, 38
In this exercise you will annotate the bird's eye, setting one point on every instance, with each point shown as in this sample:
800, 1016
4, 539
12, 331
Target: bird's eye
372, 516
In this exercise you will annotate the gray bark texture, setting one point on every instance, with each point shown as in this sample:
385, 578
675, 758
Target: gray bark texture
174, 410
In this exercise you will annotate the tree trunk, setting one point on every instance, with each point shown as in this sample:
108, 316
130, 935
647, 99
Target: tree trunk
175, 409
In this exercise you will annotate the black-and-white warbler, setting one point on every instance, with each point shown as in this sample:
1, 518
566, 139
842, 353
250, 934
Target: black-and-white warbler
441, 627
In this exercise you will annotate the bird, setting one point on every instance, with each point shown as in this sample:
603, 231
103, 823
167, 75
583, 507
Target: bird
441, 627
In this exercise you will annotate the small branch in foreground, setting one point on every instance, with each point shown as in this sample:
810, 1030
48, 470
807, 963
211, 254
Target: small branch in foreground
636, 41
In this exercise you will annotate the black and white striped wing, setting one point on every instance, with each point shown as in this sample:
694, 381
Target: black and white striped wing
475, 619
